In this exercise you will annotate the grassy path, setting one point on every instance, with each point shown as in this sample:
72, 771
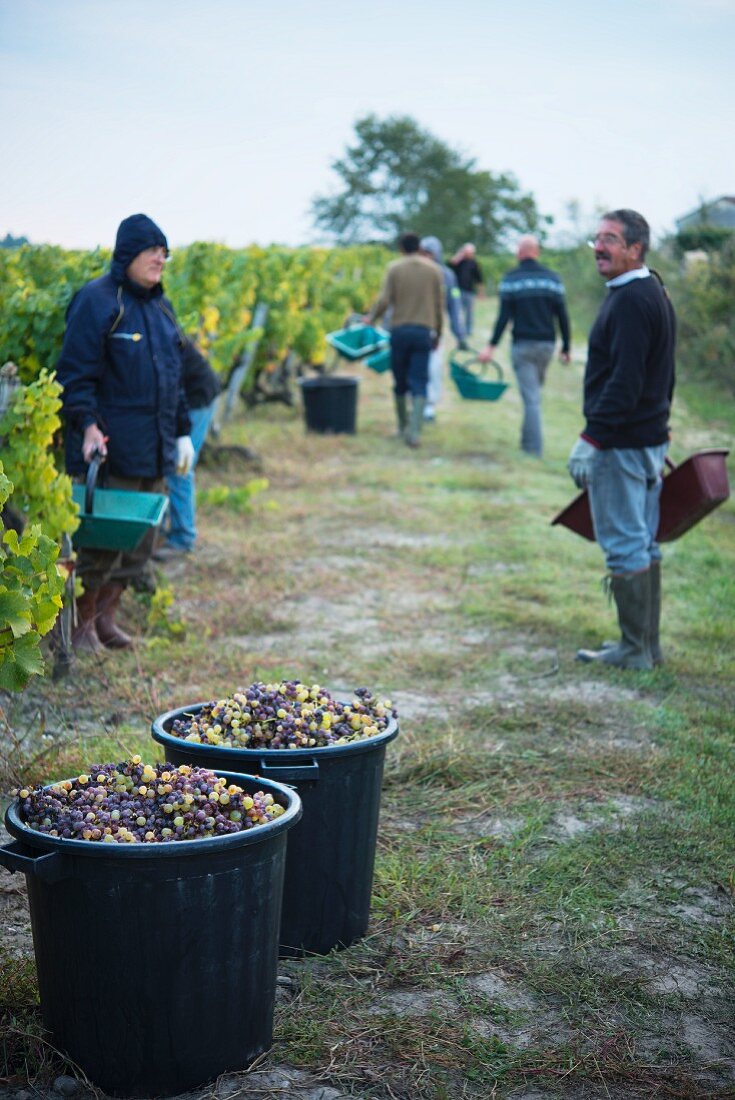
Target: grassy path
553, 903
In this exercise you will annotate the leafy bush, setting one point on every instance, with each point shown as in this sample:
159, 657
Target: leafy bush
704, 296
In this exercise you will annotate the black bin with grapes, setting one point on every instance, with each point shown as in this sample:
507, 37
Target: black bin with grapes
331, 852
157, 963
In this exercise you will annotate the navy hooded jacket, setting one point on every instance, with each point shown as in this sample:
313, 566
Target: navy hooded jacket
120, 366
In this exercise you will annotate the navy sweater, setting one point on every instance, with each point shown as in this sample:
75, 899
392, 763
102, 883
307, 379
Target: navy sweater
629, 377
531, 296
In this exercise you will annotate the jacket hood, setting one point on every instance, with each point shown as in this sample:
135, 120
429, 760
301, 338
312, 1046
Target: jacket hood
134, 234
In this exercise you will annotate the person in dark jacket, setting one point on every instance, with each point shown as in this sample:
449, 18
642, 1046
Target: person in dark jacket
201, 387
532, 299
470, 280
619, 457
123, 398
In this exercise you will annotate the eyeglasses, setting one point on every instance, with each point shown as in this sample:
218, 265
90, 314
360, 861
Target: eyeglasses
606, 238
157, 251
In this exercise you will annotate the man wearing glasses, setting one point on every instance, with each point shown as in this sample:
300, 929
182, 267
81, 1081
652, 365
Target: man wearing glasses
619, 457
120, 368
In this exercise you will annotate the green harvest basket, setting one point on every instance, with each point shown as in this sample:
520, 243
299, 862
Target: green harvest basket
470, 383
358, 341
380, 361
114, 519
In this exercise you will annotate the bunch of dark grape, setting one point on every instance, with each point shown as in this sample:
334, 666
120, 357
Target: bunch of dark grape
132, 803
285, 715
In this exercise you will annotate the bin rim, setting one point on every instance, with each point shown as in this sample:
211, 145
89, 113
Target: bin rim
328, 380
287, 756
166, 848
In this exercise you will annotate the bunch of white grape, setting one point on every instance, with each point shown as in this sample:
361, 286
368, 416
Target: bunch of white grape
132, 803
285, 715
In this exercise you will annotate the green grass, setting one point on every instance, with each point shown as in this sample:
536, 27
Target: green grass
553, 896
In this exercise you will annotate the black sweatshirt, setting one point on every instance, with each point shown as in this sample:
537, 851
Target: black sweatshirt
531, 296
629, 377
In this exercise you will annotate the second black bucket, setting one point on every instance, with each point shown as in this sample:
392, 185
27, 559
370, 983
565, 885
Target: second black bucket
330, 403
331, 852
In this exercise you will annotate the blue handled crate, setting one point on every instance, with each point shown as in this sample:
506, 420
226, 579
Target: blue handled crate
471, 384
358, 341
379, 361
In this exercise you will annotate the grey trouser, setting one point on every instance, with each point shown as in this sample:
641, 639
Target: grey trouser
531, 359
467, 299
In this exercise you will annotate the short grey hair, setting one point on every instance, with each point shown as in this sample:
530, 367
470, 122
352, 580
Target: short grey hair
636, 229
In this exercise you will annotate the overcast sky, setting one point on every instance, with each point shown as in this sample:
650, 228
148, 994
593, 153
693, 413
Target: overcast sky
221, 119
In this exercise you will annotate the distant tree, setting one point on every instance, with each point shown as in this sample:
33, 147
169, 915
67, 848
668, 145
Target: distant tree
9, 241
398, 176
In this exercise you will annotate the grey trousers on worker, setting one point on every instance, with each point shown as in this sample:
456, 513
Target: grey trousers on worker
531, 359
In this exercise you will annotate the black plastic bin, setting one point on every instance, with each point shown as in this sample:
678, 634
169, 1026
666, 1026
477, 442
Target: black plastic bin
157, 963
330, 403
331, 853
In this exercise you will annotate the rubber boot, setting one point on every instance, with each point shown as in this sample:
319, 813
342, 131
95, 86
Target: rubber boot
401, 413
632, 595
108, 632
655, 642
416, 422
656, 655
84, 637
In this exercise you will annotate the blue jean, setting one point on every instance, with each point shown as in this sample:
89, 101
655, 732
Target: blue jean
531, 359
410, 346
467, 298
625, 492
182, 531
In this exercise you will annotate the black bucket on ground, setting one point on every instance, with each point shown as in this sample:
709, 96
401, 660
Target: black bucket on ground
331, 853
330, 403
157, 963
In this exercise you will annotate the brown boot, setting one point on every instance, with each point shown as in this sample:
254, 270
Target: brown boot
108, 631
84, 636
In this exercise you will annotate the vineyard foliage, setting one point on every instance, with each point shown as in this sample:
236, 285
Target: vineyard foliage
309, 292
38, 507
214, 289
31, 589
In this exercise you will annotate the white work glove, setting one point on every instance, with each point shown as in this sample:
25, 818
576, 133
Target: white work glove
184, 455
580, 461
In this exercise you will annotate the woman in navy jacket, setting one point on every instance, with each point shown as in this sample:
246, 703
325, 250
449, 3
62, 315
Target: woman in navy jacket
120, 368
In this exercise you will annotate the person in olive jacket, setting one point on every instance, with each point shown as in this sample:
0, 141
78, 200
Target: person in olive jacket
123, 398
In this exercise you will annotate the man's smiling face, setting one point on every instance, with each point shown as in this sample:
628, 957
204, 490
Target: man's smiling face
612, 255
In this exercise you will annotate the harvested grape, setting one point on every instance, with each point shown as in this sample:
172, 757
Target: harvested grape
285, 715
135, 803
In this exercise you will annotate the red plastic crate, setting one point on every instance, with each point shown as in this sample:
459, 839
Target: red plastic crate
690, 492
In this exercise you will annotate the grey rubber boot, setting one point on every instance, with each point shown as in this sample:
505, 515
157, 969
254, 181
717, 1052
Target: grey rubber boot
401, 413
656, 654
416, 422
655, 643
632, 595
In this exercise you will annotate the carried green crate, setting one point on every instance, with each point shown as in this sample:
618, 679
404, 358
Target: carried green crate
114, 519
380, 361
471, 383
358, 341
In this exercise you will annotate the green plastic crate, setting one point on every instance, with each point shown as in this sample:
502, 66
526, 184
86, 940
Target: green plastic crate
118, 519
380, 361
472, 386
358, 341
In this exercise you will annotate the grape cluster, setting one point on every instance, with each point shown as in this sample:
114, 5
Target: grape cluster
133, 803
286, 715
